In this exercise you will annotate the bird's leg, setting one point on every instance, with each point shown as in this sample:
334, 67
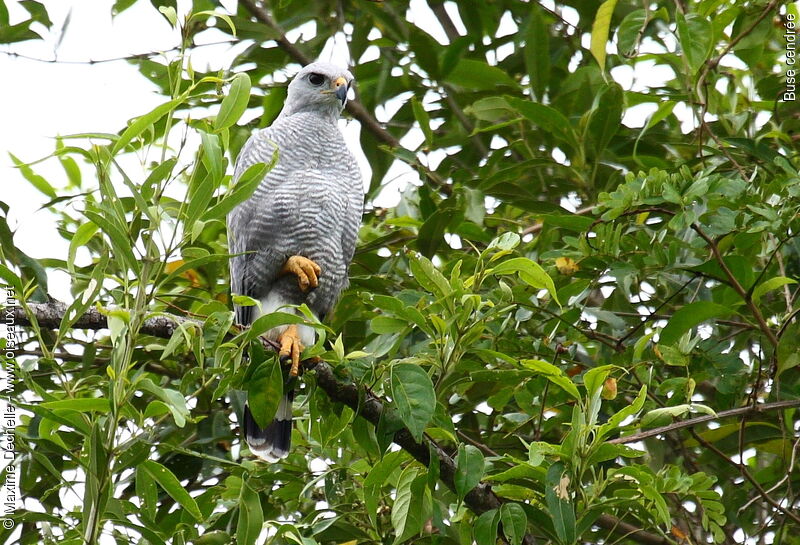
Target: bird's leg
306, 271
291, 347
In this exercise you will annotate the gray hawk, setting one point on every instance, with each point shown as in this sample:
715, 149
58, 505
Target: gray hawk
294, 238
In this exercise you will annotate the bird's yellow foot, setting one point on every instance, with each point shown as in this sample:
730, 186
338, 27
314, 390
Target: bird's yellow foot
306, 271
291, 347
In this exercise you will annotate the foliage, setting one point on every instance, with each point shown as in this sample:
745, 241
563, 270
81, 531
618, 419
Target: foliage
525, 340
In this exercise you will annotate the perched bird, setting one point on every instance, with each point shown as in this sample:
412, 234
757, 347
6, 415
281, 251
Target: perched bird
293, 240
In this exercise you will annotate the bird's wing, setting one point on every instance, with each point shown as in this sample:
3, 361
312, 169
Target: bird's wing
254, 229
353, 214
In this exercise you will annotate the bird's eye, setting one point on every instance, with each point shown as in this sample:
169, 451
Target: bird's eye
316, 79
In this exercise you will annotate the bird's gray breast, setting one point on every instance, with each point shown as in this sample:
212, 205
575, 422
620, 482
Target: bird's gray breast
311, 186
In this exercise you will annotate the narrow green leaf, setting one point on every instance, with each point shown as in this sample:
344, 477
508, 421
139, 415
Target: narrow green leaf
376, 478
423, 119
172, 486
559, 504
36, 180
629, 410
235, 103
546, 117
537, 52
600, 30
412, 391
251, 516
606, 118
142, 123
407, 507
769, 285
243, 190
81, 404
83, 234
689, 316
147, 493
554, 375
123, 251
469, 469
11, 278
475, 74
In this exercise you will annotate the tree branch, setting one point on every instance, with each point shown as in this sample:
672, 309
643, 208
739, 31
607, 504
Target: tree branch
749, 410
479, 500
355, 108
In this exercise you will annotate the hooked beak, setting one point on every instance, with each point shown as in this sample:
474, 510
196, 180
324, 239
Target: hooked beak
340, 89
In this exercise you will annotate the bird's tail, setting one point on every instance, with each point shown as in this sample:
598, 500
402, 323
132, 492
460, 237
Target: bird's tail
273, 442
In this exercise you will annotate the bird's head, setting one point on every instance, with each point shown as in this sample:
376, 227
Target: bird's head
320, 86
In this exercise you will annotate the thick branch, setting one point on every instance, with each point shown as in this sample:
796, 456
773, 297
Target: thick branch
480, 499
355, 108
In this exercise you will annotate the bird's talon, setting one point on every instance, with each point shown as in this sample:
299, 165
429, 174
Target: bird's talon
306, 271
291, 348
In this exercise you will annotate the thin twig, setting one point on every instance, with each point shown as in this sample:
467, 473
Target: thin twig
749, 410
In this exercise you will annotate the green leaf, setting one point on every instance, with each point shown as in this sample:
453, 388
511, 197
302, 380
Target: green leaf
469, 469
36, 181
251, 516
407, 507
424, 120
689, 316
429, 276
385, 324
140, 124
606, 118
11, 278
769, 285
788, 356
235, 104
486, 528
412, 391
559, 504
120, 242
629, 32
268, 321
549, 119
173, 399
530, 272
83, 234
81, 404
264, 381
593, 378
376, 478
475, 74
696, 38
629, 410
600, 30
554, 375
147, 493
515, 522
170, 484
243, 190
537, 52
431, 234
